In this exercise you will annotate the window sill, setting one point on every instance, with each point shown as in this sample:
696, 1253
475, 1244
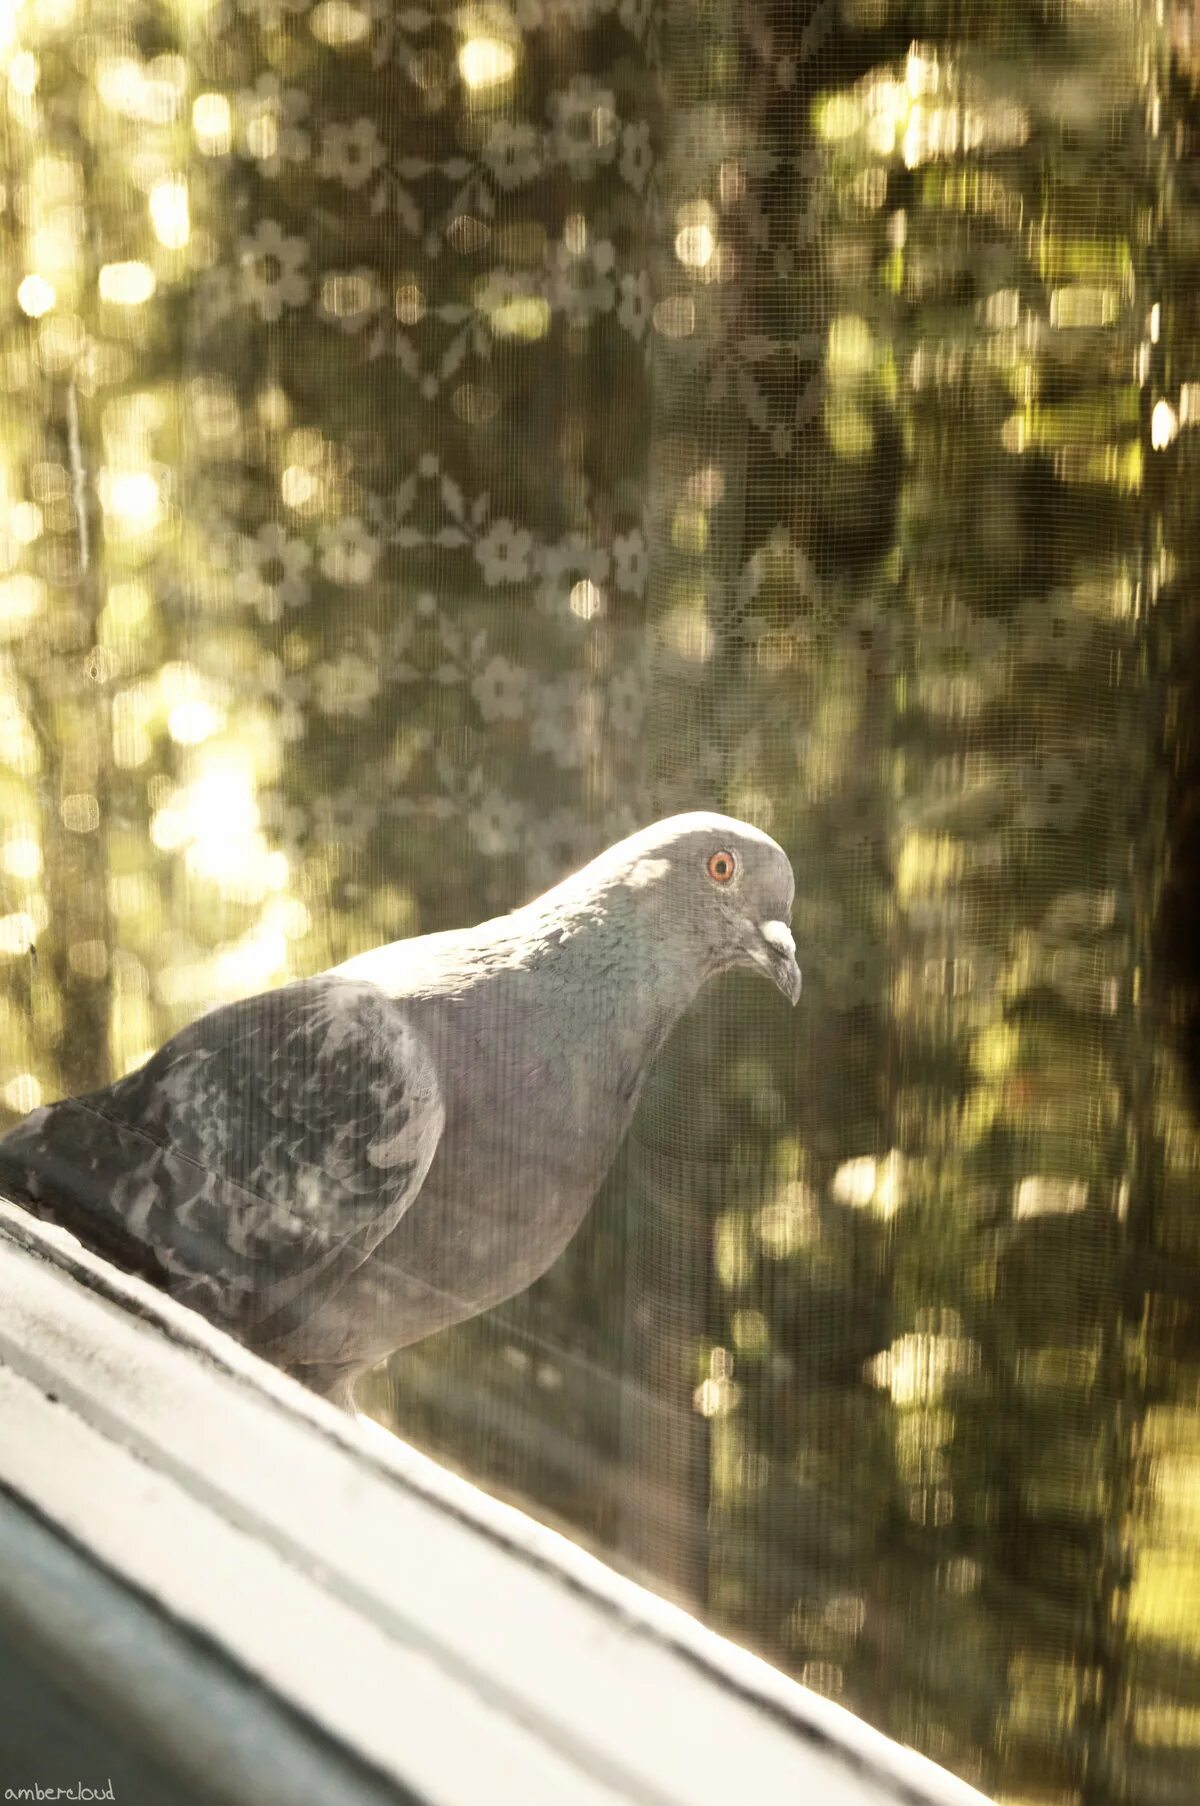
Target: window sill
281, 1604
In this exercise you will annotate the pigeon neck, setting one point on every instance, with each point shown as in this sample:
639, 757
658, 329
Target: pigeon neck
636, 980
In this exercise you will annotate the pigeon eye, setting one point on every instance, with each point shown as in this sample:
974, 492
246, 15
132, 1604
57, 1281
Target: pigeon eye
721, 867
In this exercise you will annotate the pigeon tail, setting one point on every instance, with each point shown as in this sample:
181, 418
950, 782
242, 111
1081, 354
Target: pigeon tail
55, 1189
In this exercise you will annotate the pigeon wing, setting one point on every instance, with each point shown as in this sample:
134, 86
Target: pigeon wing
256, 1160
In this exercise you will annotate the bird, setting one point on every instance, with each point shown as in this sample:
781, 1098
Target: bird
341, 1166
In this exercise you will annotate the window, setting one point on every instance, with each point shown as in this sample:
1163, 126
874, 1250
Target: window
210, 1588
437, 443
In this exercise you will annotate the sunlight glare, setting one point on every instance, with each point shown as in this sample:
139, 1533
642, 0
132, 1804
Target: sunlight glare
169, 213
35, 296
483, 62
132, 498
127, 284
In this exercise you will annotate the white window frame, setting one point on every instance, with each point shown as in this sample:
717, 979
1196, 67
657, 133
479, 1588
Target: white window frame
319, 1613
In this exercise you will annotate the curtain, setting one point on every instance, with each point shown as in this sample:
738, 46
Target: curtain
437, 440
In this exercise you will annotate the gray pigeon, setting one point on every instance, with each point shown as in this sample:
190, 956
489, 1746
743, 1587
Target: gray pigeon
339, 1167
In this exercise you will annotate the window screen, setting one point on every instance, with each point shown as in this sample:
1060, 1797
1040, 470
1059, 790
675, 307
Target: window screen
437, 441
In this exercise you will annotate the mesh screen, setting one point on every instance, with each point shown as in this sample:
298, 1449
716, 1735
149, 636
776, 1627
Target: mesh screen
438, 440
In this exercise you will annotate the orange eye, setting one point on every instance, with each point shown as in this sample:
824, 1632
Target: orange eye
721, 867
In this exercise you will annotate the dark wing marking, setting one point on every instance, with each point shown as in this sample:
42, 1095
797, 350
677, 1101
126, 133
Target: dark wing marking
256, 1160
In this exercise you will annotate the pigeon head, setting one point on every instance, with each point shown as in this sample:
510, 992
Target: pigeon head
716, 890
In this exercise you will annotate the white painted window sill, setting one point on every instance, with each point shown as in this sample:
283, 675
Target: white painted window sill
283, 1605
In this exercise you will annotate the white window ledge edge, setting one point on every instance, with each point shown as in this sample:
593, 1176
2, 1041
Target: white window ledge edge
381, 1604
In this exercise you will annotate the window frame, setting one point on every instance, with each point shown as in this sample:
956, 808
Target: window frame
370, 1611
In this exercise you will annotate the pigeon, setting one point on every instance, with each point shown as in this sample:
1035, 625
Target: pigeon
339, 1167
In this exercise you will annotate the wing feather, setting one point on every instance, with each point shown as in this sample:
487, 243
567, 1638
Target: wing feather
256, 1160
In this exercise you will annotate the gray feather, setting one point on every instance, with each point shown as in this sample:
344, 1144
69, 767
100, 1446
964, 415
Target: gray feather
266, 1149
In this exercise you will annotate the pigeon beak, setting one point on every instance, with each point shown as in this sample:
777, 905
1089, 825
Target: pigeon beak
774, 951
